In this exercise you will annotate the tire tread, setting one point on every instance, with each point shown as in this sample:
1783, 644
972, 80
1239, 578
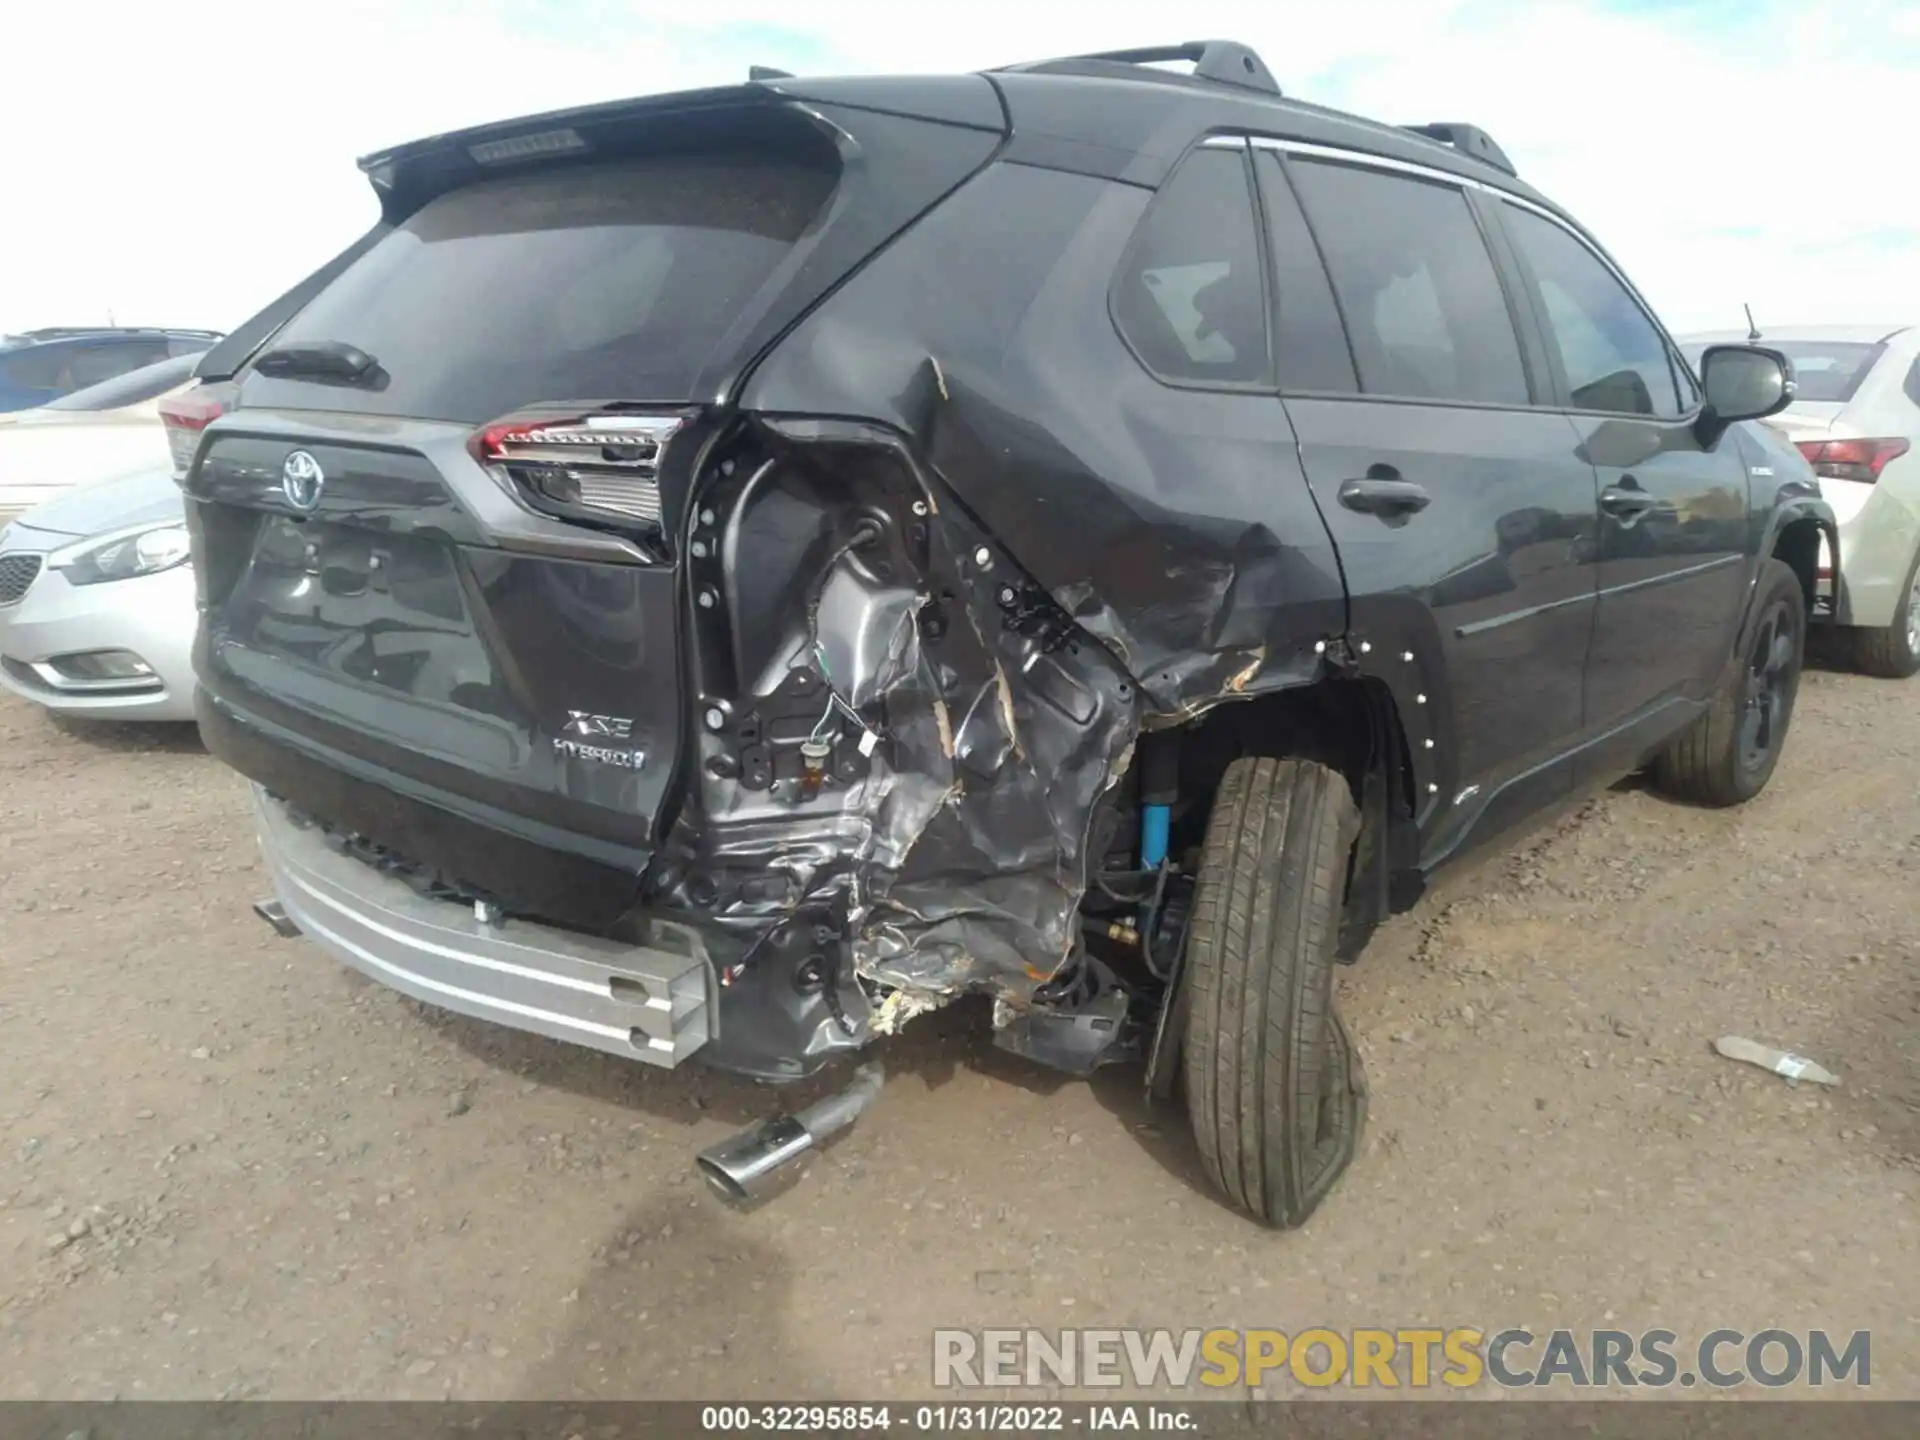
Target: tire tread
1260, 1046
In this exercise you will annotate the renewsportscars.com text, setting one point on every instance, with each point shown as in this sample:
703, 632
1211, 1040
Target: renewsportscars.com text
1417, 1357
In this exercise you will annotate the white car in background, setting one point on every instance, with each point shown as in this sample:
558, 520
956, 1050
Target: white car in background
1857, 420
100, 433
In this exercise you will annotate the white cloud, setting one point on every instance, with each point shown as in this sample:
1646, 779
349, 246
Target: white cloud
188, 162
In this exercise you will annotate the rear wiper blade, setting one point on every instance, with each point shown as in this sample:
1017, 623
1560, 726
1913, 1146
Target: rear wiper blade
329, 361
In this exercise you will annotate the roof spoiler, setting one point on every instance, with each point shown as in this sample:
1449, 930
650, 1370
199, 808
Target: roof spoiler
1469, 140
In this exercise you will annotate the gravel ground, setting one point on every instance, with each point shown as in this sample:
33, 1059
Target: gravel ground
230, 1168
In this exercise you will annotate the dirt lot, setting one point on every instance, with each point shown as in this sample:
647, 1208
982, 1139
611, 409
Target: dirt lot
228, 1167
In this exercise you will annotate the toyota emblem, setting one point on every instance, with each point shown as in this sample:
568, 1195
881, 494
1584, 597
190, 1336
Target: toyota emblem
300, 480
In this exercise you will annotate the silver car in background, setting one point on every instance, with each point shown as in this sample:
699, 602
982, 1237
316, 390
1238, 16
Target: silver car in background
1856, 418
96, 602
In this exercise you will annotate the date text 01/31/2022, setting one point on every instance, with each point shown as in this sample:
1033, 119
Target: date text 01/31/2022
964, 1419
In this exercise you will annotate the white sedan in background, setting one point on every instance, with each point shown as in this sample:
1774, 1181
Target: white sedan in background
1857, 420
99, 433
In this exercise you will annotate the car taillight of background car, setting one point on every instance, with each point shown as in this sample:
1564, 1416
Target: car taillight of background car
187, 414
1857, 460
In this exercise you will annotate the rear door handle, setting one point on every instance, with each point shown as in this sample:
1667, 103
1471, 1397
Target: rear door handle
1625, 504
1383, 497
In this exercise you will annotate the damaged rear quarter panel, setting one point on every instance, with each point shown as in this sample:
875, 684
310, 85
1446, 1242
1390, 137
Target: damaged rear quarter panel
1152, 551
961, 740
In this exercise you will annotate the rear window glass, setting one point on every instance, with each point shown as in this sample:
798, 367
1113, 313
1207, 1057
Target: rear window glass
1189, 296
1827, 371
601, 282
130, 388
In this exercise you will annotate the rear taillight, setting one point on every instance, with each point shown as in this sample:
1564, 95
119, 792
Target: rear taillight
185, 415
1860, 460
602, 466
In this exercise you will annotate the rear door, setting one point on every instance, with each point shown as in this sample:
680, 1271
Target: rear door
1463, 514
486, 622
1674, 526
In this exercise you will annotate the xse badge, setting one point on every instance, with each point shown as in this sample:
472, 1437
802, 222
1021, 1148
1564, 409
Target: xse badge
599, 727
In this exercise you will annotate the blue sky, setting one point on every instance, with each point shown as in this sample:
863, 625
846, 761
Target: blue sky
1725, 152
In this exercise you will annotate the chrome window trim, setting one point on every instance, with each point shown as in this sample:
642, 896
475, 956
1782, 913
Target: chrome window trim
1362, 158
1464, 182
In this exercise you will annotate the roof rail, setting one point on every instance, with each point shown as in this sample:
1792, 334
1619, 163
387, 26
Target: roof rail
1226, 62
57, 332
1469, 140
70, 332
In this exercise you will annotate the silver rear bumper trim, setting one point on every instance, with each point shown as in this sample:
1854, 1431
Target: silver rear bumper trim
647, 1002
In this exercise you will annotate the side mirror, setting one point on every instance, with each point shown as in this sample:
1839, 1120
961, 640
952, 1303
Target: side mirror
1744, 382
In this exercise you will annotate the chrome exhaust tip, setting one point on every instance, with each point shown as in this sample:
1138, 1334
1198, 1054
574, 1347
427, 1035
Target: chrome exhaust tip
742, 1167
275, 914
749, 1166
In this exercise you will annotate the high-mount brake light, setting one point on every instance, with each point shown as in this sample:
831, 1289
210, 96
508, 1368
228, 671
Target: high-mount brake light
606, 465
185, 415
527, 147
1858, 460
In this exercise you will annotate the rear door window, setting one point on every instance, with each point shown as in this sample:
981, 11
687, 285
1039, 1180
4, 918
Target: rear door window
611, 281
129, 389
1613, 356
37, 367
1188, 298
1422, 300
1310, 345
90, 364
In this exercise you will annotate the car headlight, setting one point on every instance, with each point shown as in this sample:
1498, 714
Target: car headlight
145, 551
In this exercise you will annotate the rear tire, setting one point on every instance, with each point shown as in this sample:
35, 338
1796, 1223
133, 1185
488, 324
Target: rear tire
1892, 652
1274, 1087
1727, 756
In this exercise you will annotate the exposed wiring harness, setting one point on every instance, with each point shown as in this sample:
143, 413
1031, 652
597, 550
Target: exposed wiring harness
834, 702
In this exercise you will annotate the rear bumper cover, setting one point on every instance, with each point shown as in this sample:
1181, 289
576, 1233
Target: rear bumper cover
653, 1002
1879, 532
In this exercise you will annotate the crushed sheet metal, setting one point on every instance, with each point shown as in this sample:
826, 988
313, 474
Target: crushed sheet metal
958, 863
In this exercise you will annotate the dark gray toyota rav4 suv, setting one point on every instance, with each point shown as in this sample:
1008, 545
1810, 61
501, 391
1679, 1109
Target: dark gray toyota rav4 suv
716, 576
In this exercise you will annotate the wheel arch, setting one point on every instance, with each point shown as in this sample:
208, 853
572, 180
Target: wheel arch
1797, 542
1350, 723
1794, 532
